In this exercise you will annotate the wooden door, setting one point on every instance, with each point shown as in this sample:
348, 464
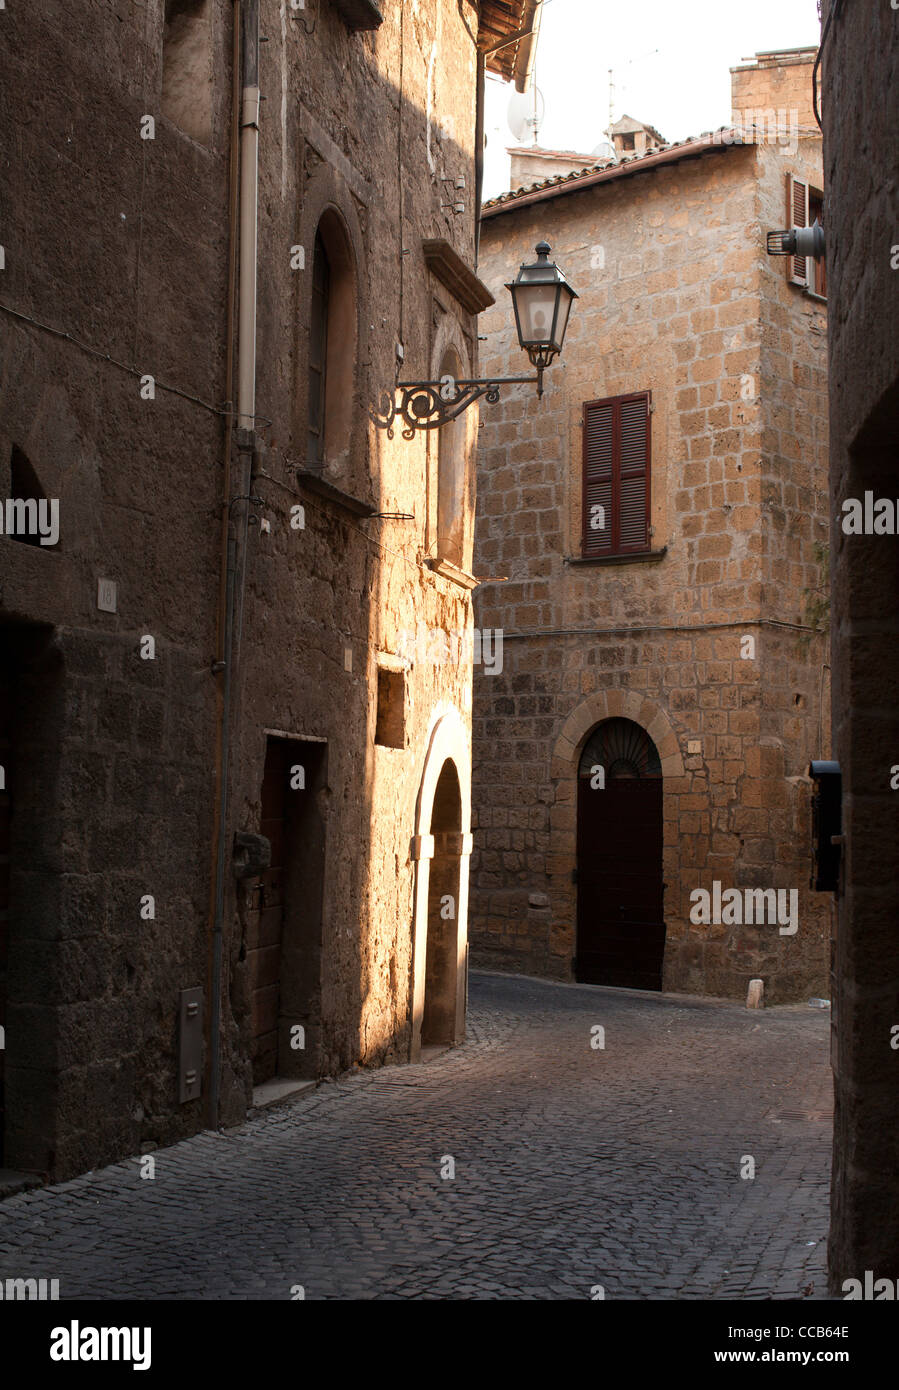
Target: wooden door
620, 911
266, 918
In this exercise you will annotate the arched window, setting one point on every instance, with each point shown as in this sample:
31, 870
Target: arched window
318, 352
451, 476
332, 346
623, 749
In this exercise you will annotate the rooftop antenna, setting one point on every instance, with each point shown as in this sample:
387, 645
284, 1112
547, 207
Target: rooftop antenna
629, 63
524, 114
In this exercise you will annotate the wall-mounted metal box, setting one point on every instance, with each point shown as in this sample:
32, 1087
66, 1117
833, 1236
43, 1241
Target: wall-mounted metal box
190, 1045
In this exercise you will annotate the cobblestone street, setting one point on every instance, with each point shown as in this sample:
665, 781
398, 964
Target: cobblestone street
575, 1166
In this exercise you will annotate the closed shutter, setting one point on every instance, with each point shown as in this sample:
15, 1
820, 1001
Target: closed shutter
797, 216
616, 475
598, 435
633, 507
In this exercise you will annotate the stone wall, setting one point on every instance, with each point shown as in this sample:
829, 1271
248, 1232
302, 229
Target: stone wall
776, 82
122, 242
678, 298
861, 177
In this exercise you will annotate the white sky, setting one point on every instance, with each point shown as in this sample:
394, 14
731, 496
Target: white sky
683, 89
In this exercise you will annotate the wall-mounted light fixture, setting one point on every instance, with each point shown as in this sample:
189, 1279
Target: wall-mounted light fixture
542, 299
797, 241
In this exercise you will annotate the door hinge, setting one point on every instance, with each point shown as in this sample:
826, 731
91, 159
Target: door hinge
574, 875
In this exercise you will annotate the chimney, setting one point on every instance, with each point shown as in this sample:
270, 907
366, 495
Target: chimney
635, 137
774, 90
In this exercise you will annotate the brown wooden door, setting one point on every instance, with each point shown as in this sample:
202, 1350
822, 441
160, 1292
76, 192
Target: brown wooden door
620, 915
266, 918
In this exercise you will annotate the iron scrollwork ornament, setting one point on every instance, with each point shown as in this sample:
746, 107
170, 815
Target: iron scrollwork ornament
426, 405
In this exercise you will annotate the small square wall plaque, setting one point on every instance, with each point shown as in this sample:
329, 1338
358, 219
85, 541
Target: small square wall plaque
106, 595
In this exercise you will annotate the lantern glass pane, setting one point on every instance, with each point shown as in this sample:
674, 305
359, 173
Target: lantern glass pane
565, 302
536, 306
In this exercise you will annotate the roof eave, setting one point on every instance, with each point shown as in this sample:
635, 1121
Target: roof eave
706, 145
527, 48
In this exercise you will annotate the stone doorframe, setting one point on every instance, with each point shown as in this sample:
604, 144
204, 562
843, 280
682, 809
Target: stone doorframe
448, 741
562, 856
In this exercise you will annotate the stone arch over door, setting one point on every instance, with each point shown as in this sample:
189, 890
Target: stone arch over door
602, 705
442, 843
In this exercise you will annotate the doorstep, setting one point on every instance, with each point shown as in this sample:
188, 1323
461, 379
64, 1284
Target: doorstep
12, 1181
278, 1089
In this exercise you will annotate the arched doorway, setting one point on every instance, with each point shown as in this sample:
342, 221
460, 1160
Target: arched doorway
620, 914
438, 1025
440, 849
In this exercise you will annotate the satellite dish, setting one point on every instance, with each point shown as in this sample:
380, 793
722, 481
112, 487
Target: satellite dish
524, 114
603, 151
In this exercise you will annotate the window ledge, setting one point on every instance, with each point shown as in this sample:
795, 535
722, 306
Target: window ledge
359, 14
317, 484
821, 298
616, 559
456, 276
453, 573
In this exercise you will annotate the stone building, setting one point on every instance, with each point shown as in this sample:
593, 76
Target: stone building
659, 522
234, 812
860, 56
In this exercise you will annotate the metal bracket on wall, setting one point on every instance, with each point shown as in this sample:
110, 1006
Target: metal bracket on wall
426, 405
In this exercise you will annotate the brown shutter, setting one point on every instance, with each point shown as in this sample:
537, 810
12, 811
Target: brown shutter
633, 497
797, 216
616, 474
598, 433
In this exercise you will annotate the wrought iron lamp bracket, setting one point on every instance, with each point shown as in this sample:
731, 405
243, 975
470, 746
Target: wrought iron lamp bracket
426, 405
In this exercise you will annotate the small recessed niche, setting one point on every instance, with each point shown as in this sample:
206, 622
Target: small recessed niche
24, 484
390, 728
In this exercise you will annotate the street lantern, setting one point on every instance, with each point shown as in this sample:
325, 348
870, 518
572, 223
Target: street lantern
542, 299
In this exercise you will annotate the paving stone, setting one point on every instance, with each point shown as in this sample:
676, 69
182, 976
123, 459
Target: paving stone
573, 1168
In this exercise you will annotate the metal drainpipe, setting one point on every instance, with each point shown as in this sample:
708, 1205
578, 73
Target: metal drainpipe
246, 438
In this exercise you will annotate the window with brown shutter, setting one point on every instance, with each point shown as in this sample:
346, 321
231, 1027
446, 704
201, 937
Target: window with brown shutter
804, 204
616, 475
797, 216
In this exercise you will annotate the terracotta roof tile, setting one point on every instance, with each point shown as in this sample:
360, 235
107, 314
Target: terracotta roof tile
724, 138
